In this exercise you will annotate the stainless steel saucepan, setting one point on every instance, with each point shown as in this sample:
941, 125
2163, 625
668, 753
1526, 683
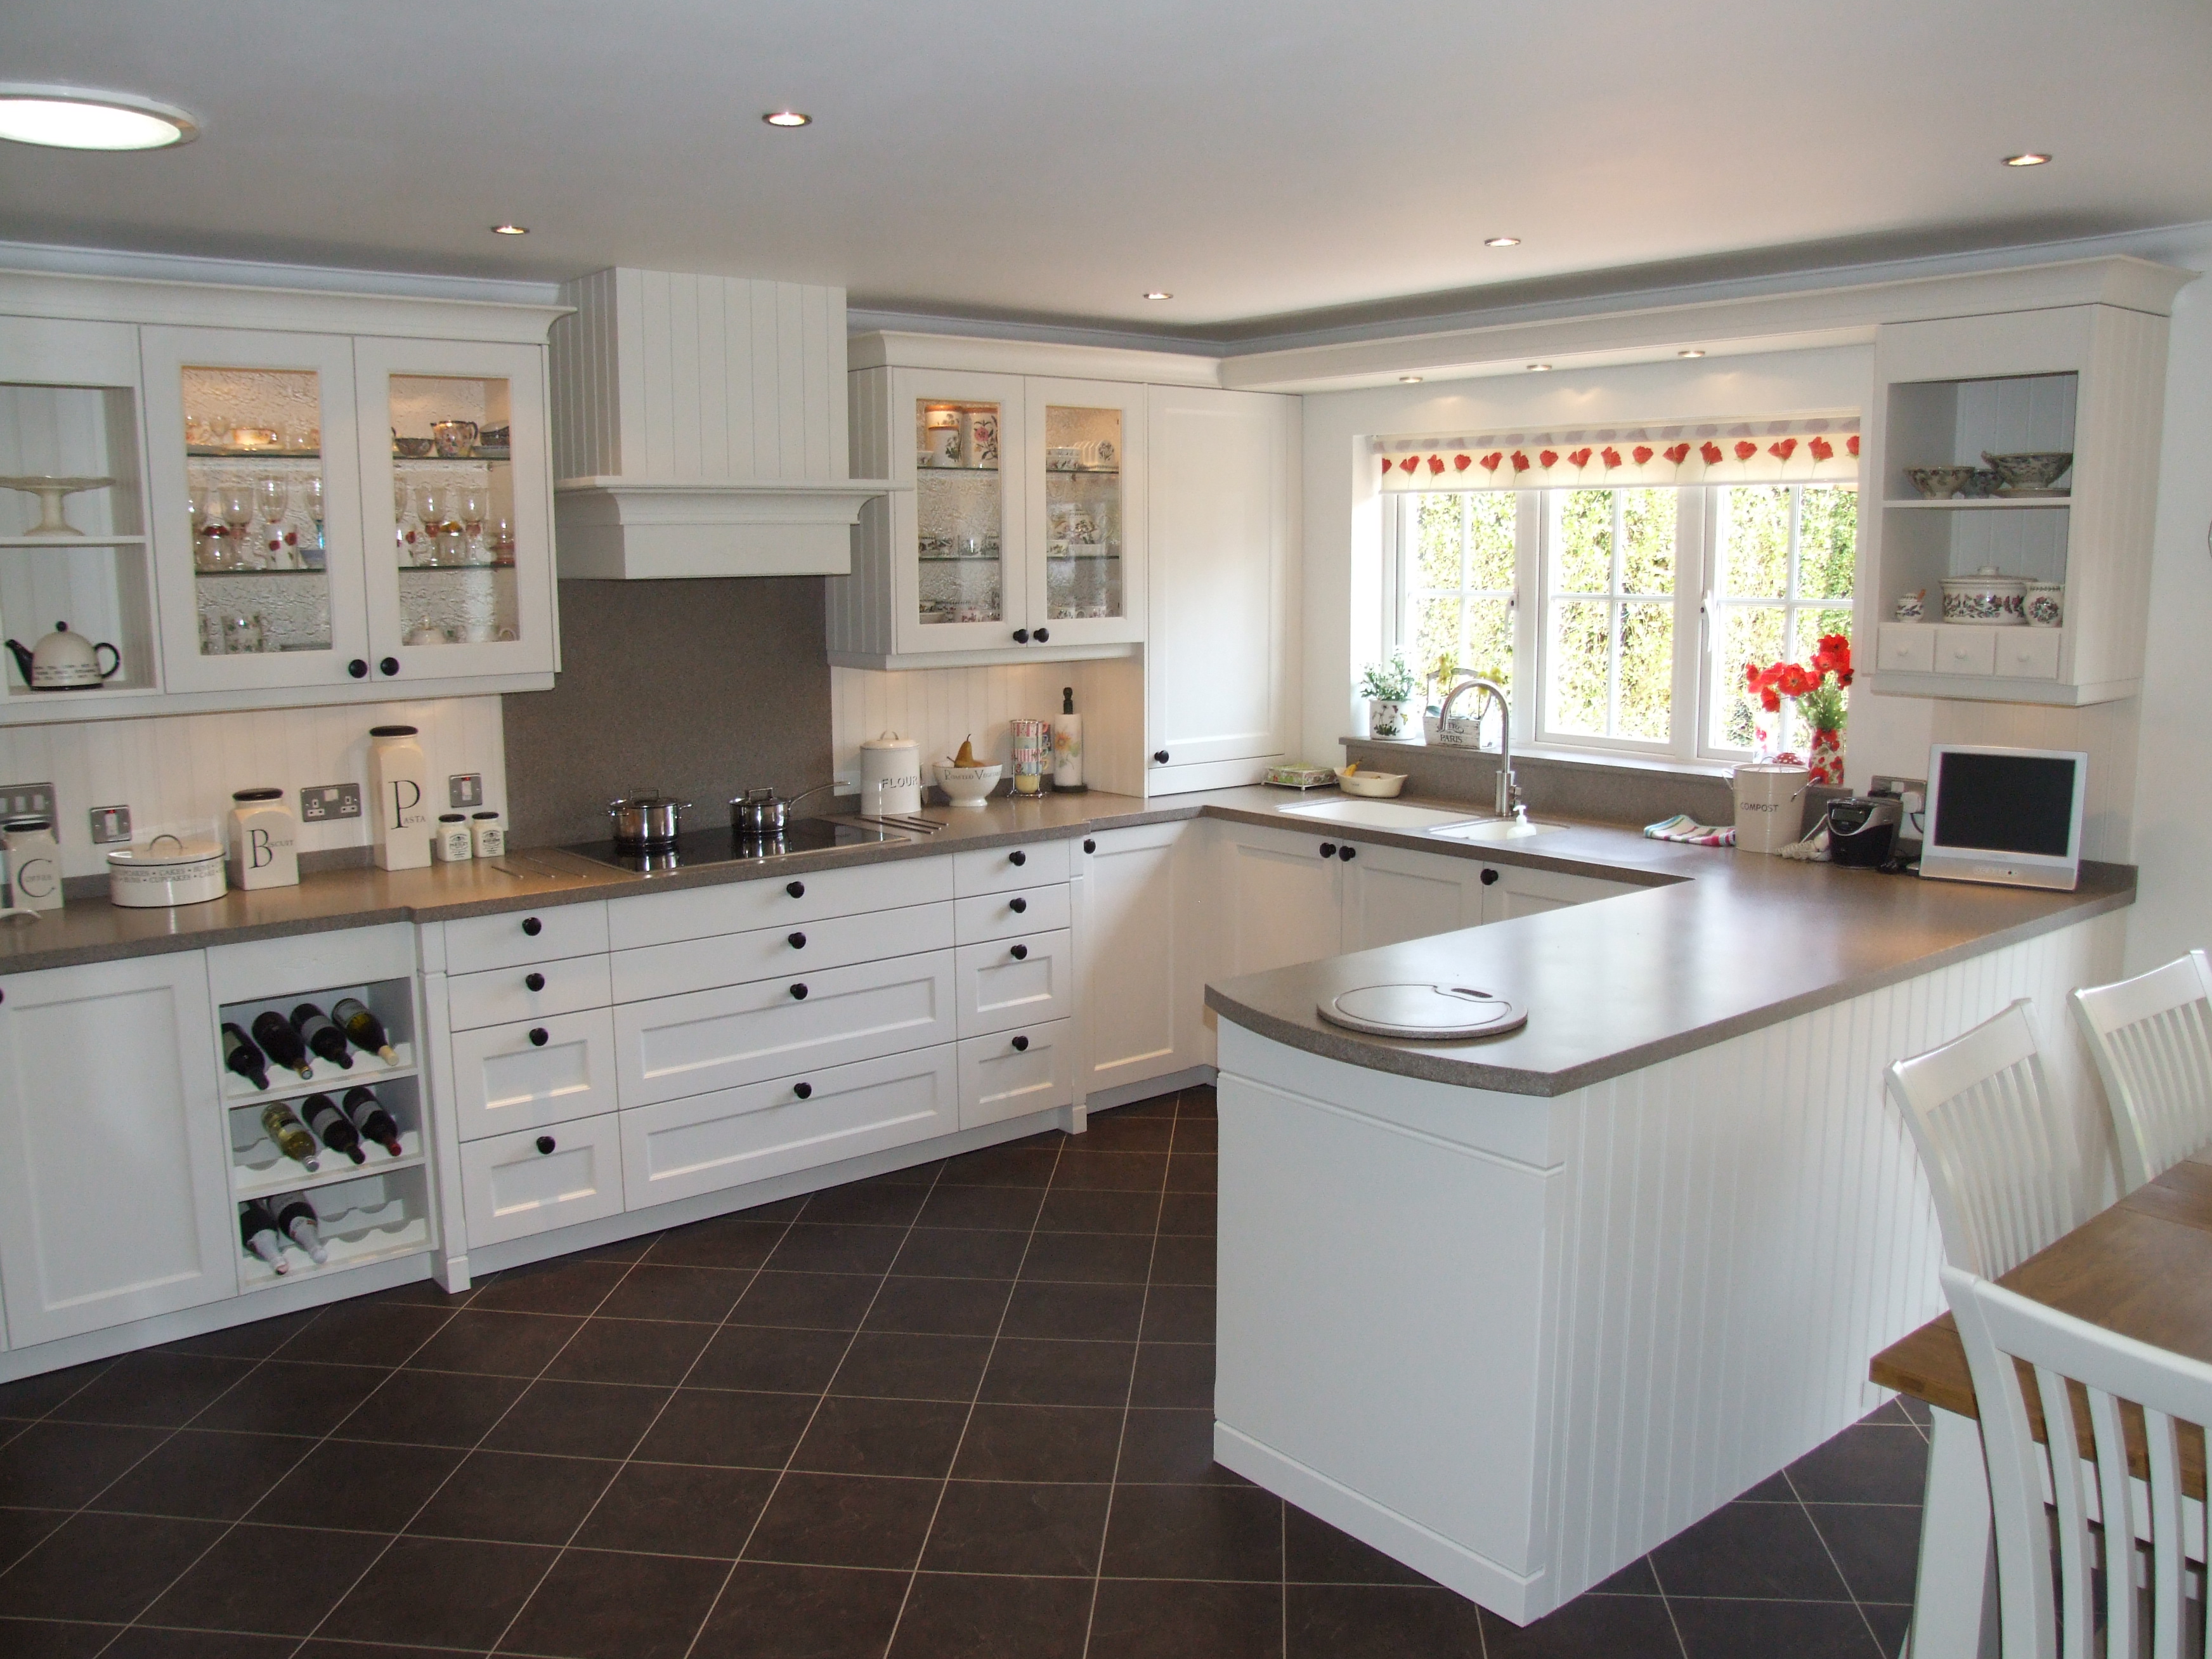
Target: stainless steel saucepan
647, 818
762, 814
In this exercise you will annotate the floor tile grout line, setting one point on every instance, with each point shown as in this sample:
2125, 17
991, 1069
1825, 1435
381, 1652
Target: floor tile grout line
490, 1429
1682, 1646
721, 1589
1128, 1397
1013, 1289
1849, 1588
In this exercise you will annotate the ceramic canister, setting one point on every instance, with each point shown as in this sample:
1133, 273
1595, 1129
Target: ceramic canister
451, 843
1770, 806
263, 841
34, 862
2046, 604
489, 828
398, 779
890, 775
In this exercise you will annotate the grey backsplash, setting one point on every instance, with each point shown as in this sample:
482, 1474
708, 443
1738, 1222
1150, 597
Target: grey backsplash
1560, 788
695, 688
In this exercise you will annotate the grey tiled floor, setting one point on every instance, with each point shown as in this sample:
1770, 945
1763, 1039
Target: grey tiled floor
960, 1411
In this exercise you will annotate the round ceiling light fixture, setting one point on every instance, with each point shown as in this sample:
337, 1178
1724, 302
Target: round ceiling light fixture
1502, 242
2027, 158
788, 118
510, 230
1409, 380
69, 118
1158, 293
1691, 351
1540, 368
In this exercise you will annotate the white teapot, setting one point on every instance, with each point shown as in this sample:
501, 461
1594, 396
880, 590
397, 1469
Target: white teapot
63, 661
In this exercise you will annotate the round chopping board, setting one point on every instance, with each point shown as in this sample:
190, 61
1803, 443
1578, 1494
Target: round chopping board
1438, 1013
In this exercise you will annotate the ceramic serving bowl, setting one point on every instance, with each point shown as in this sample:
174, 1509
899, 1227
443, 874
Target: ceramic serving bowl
968, 786
1370, 783
2031, 473
413, 449
1985, 600
1940, 484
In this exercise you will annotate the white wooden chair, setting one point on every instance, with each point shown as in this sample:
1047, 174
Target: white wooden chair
2043, 1614
2152, 1038
1998, 1161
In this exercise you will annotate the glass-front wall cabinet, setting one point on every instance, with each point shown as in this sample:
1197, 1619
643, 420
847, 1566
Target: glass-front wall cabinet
1083, 513
454, 478
960, 501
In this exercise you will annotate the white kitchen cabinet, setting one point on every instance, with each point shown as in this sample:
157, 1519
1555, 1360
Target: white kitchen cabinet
1220, 664
532, 1181
1014, 1073
533, 1072
1142, 973
114, 1189
1007, 983
1280, 899
1391, 895
1519, 891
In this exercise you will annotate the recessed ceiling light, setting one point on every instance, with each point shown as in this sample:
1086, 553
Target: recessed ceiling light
510, 230
1540, 368
787, 117
1503, 241
2026, 158
1158, 293
1691, 351
68, 119
1409, 380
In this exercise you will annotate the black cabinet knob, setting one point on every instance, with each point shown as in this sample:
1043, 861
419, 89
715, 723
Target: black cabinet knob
797, 941
1348, 852
1021, 1045
1159, 757
1329, 849
799, 993
533, 982
1490, 878
358, 668
1018, 858
538, 1036
804, 1090
1043, 636
388, 667
532, 926
1021, 953
1021, 636
1089, 845
796, 889
546, 1143
1018, 906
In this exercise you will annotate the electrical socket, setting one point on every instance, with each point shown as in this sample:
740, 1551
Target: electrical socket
1884, 785
465, 789
24, 800
326, 802
110, 824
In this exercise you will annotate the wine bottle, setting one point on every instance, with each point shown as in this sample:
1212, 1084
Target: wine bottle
290, 1134
369, 1117
256, 1230
333, 1127
240, 1055
296, 1221
316, 1031
280, 1043
364, 1027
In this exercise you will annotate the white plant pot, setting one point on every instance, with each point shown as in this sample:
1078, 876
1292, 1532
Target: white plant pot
1385, 718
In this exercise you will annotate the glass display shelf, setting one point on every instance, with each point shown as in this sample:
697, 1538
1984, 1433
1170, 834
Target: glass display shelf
72, 541
277, 572
261, 452
925, 471
1987, 503
453, 460
1083, 472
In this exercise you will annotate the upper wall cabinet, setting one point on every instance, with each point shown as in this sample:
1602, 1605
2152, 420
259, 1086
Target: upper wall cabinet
1018, 518
2066, 605
340, 493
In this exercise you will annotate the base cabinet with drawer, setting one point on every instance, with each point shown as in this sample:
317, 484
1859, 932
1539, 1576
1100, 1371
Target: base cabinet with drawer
533, 1072
535, 1180
1013, 1074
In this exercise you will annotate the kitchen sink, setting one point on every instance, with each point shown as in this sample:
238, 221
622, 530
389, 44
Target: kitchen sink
1378, 814
1491, 830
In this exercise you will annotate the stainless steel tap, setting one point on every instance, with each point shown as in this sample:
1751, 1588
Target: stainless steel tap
1509, 802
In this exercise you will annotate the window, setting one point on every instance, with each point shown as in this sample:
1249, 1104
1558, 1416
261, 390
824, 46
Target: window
1633, 609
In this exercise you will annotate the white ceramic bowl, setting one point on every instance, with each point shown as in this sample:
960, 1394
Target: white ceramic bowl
1370, 783
968, 786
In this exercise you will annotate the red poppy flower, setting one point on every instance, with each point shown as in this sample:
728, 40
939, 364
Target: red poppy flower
1388, 463
1768, 701
1410, 463
1580, 457
1751, 676
1795, 682
1489, 461
1710, 451
1851, 444
1521, 462
1436, 463
1744, 449
1821, 448
1643, 453
1550, 458
1461, 463
1783, 450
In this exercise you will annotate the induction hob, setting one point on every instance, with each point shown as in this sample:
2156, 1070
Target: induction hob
702, 848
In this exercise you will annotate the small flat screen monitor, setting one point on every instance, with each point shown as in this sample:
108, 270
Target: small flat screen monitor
2012, 816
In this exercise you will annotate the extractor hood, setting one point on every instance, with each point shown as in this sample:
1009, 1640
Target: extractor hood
699, 428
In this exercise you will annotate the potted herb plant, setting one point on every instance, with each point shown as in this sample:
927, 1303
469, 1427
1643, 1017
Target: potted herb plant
1389, 687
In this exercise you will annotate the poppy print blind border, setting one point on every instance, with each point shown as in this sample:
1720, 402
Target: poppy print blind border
1800, 449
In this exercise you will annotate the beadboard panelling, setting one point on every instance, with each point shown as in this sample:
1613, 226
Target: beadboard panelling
1742, 1229
178, 772
939, 707
661, 374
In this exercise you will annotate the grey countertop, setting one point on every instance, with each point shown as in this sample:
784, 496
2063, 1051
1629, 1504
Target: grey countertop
1723, 942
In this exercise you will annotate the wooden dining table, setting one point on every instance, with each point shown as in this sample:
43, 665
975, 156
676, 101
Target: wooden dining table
2143, 1267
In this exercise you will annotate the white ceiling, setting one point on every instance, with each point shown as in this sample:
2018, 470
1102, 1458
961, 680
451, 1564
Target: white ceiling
1271, 161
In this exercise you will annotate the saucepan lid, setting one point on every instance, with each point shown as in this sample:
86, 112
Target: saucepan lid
1438, 1013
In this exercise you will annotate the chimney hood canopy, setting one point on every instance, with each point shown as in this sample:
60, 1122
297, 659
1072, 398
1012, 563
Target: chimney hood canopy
699, 428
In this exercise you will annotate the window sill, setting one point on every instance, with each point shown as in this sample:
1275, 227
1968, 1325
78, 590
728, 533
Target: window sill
1602, 760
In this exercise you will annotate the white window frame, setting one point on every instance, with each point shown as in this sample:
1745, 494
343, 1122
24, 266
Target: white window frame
1696, 682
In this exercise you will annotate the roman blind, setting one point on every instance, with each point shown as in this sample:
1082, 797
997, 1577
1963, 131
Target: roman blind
1799, 449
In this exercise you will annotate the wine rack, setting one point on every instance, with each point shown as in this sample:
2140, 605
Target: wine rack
392, 1001
366, 1217
258, 1170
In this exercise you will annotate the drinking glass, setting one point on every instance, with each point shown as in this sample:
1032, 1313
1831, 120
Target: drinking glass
503, 540
241, 632
430, 509
272, 497
237, 505
470, 506
212, 549
312, 496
